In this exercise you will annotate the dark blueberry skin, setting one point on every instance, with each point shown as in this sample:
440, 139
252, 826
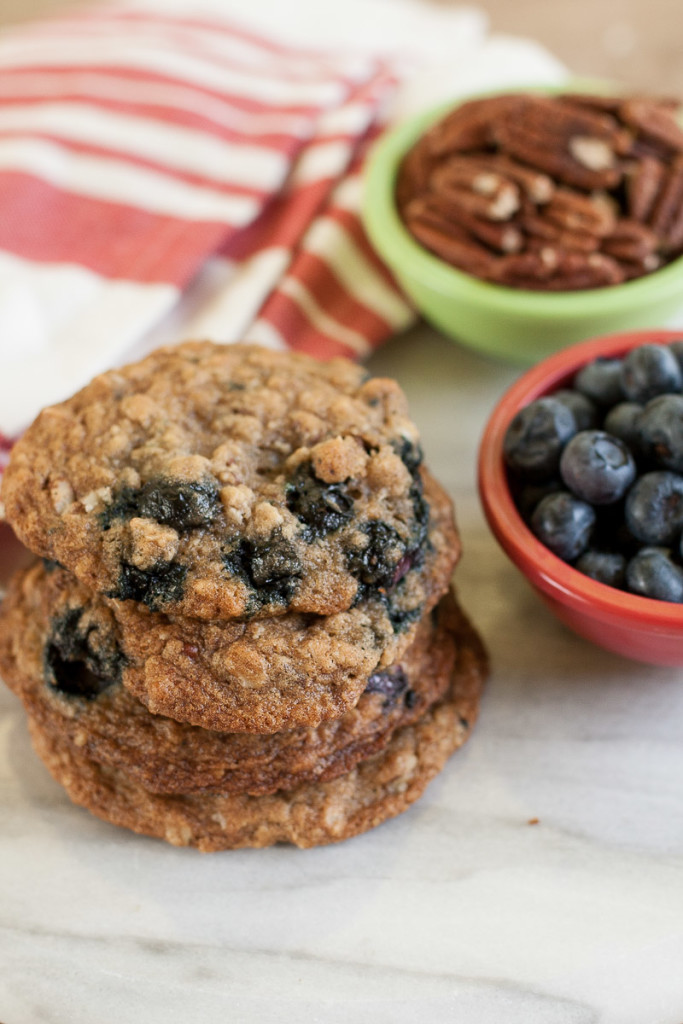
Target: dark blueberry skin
597, 467
527, 496
677, 349
182, 505
155, 587
322, 507
535, 438
654, 508
76, 661
660, 432
392, 683
564, 524
648, 371
271, 570
601, 381
651, 573
607, 567
379, 562
584, 410
622, 421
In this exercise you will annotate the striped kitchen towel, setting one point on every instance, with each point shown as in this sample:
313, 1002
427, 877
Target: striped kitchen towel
167, 173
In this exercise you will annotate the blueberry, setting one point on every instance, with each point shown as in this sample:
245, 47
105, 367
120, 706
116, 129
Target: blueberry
528, 496
410, 454
622, 421
391, 683
400, 618
601, 381
377, 564
654, 508
660, 431
155, 587
651, 573
648, 371
677, 349
584, 410
271, 570
564, 524
607, 567
322, 507
535, 438
78, 659
180, 504
597, 467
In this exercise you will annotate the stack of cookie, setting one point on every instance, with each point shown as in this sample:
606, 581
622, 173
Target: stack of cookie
241, 631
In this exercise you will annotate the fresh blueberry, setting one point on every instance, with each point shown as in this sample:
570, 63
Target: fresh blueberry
677, 349
622, 421
564, 524
600, 380
607, 567
660, 431
597, 467
648, 371
527, 496
535, 438
584, 410
651, 573
654, 508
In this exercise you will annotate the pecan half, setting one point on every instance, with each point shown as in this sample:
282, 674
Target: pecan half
630, 241
643, 182
540, 134
441, 211
573, 211
653, 123
468, 127
466, 255
669, 200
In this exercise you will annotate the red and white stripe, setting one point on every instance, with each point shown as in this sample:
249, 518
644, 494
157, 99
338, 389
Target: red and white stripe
153, 163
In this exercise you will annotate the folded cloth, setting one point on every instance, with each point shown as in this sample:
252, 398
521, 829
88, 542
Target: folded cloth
167, 171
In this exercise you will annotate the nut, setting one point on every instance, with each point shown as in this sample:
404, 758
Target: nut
550, 193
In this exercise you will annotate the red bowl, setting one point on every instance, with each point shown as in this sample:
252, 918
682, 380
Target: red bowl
637, 627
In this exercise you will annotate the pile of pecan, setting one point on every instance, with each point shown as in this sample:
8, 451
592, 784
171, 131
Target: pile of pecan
549, 193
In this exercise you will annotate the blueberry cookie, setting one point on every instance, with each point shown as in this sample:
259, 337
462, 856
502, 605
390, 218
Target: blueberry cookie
226, 481
312, 814
112, 728
234, 675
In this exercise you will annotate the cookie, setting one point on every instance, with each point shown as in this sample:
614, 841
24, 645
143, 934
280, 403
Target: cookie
232, 675
222, 482
116, 730
312, 814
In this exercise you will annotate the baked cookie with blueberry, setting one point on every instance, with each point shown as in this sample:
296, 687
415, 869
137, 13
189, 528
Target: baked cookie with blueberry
242, 675
70, 683
311, 814
223, 482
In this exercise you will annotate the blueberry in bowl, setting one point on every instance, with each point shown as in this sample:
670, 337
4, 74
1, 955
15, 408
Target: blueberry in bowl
594, 517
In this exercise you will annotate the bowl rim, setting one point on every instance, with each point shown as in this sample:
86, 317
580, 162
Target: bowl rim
406, 256
545, 570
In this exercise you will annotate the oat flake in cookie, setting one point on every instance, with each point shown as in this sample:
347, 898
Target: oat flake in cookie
226, 481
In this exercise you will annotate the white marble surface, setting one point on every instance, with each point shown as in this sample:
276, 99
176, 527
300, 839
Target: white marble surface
460, 910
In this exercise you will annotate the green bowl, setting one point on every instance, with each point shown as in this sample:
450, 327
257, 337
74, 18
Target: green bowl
516, 325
